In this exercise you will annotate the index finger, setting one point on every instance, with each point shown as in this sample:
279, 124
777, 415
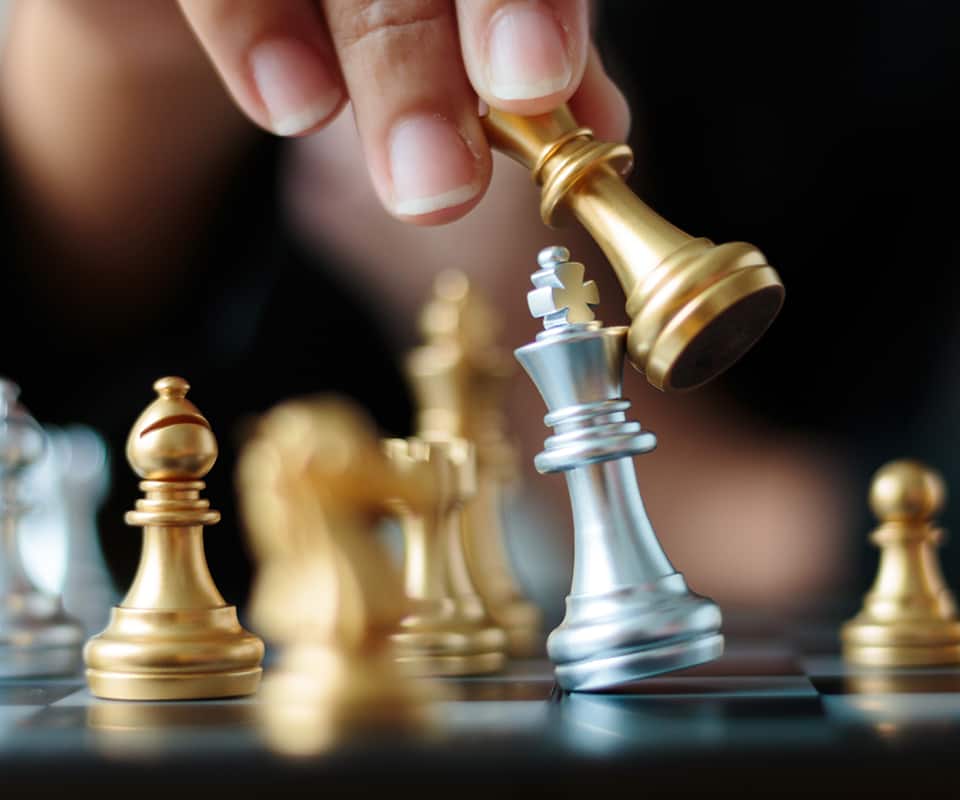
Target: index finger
525, 57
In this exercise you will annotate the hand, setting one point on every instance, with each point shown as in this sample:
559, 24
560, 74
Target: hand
412, 70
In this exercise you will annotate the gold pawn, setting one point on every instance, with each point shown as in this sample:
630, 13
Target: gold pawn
173, 637
460, 376
448, 631
695, 307
909, 617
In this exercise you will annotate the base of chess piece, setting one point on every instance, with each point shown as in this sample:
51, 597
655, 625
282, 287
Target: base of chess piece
37, 638
910, 644
520, 621
632, 633
909, 617
449, 642
175, 654
318, 695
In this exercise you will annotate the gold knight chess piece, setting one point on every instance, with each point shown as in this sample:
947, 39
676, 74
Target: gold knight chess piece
314, 484
695, 307
459, 375
173, 637
447, 631
909, 617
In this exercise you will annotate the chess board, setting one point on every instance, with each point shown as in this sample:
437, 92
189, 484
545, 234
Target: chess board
773, 716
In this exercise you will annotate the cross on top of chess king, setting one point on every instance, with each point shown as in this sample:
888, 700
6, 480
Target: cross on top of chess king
695, 308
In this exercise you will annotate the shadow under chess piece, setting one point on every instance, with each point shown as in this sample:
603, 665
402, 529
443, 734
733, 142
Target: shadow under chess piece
459, 376
629, 613
909, 617
173, 637
36, 636
314, 483
447, 631
695, 307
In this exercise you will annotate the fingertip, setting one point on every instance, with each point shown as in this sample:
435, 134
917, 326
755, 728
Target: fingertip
608, 115
442, 216
296, 88
437, 172
600, 105
524, 57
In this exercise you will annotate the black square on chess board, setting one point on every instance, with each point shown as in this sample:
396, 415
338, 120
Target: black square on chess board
761, 710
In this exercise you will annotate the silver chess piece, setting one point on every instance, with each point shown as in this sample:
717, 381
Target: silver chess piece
36, 636
88, 590
629, 613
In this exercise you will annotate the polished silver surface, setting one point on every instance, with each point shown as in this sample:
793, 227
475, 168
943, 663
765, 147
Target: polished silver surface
83, 477
36, 636
629, 613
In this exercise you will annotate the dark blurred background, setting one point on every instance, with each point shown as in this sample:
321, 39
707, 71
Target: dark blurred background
824, 134
827, 134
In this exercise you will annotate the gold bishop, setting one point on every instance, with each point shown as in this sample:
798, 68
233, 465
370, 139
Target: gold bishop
173, 637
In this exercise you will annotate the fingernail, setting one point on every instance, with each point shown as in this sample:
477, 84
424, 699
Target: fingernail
294, 84
430, 165
527, 53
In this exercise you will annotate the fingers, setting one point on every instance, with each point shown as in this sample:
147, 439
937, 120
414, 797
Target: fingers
414, 106
524, 56
412, 69
276, 59
599, 104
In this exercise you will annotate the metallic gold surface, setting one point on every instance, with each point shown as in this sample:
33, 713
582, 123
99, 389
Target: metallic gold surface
459, 376
173, 637
447, 631
314, 483
909, 617
695, 307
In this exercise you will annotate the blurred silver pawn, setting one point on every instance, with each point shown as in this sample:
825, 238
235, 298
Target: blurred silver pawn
36, 636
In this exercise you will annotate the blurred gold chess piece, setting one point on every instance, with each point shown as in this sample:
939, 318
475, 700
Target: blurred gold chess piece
909, 617
173, 637
459, 376
314, 483
447, 631
695, 307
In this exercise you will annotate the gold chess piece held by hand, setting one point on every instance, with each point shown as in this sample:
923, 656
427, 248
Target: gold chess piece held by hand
909, 617
314, 484
173, 637
695, 307
460, 375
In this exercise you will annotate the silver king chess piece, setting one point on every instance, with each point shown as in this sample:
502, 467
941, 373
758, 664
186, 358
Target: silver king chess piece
629, 614
36, 636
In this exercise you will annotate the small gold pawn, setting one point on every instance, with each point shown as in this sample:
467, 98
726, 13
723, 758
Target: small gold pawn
314, 482
909, 617
448, 631
460, 376
173, 637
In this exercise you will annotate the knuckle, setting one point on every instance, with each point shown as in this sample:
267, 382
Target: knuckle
379, 22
